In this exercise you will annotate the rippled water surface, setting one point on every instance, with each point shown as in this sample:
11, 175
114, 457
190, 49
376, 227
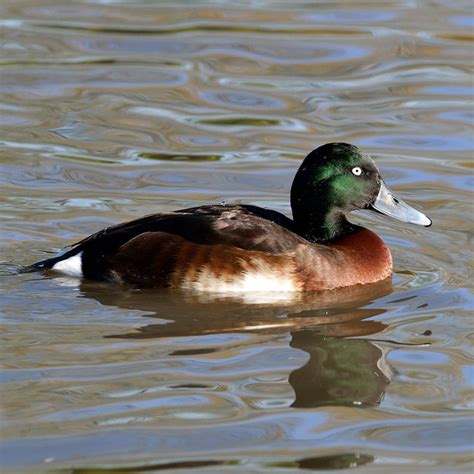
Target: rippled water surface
111, 109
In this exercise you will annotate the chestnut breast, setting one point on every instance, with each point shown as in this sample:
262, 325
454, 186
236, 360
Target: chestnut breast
358, 258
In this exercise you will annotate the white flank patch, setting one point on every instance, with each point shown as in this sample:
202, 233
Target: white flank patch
248, 282
266, 282
72, 266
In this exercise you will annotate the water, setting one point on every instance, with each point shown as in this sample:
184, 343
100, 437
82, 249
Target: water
114, 109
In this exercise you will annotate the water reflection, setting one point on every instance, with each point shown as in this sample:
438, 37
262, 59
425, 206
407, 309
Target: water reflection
340, 313
340, 371
338, 461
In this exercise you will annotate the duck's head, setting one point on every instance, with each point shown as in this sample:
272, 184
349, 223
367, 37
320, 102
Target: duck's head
338, 178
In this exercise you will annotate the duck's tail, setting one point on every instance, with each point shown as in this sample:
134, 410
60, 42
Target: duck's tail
49, 263
40, 266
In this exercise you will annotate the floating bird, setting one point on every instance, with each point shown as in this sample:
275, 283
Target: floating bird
245, 248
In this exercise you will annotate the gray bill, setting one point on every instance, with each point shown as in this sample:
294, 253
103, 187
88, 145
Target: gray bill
388, 204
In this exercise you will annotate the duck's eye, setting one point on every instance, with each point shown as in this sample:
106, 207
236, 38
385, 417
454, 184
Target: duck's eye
357, 171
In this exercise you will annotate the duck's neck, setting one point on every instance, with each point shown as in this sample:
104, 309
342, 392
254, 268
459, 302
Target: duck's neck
320, 226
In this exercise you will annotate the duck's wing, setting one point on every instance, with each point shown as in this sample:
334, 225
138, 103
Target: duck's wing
246, 227
243, 227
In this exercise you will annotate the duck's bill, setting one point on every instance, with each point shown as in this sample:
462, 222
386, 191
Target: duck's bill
388, 204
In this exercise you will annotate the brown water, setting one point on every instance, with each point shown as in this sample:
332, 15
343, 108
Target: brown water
113, 109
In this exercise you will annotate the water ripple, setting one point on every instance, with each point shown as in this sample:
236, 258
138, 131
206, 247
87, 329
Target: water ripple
112, 110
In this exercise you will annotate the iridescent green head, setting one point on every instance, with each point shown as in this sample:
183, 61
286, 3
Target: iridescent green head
338, 178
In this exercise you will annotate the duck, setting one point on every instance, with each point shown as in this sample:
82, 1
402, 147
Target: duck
246, 248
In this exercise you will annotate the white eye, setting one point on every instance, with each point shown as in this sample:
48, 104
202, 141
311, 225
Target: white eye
357, 171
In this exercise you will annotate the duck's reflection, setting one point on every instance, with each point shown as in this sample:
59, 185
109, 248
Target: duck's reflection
340, 370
